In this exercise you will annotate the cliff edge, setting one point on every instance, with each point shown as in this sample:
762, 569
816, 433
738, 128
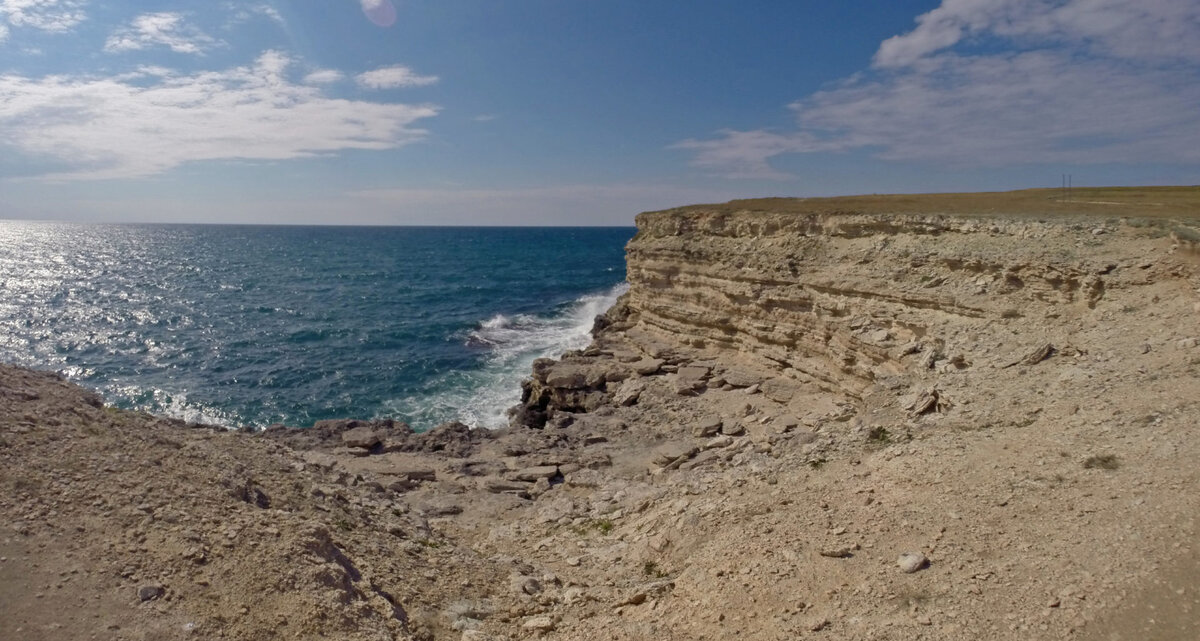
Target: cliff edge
881, 418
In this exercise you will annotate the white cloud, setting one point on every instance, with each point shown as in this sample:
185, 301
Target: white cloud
56, 16
3, 32
1004, 82
1147, 30
594, 204
393, 78
242, 14
166, 29
745, 154
154, 120
484, 118
323, 76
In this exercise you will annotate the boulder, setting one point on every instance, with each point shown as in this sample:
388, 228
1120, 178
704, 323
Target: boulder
567, 376
733, 428
150, 592
910, 562
361, 437
741, 378
780, 390
707, 426
693, 373
648, 366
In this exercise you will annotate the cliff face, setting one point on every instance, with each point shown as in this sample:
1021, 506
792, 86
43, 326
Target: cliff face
845, 424
837, 299
840, 301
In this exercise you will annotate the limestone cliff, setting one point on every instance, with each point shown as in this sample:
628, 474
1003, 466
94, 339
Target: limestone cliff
853, 419
838, 295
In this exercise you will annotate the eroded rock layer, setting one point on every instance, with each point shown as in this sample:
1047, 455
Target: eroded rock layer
836, 300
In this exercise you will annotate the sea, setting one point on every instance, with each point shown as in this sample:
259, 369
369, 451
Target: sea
257, 325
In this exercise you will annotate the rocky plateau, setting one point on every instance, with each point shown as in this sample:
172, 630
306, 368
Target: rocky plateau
806, 420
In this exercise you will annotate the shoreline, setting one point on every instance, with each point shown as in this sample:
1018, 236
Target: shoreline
749, 449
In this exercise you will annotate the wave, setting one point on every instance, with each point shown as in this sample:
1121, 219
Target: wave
164, 403
481, 397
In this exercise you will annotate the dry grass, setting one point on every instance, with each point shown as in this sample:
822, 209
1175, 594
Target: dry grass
1105, 202
1102, 462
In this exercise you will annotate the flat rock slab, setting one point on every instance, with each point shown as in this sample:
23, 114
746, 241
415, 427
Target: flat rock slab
780, 390
531, 474
693, 373
567, 376
648, 366
708, 426
497, 486
671, 452
363, 437
742, 378
414, 474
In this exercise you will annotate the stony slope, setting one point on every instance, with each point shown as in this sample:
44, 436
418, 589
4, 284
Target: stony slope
792, 396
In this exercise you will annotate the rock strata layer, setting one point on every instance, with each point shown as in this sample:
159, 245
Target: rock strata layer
839, 301
796, 425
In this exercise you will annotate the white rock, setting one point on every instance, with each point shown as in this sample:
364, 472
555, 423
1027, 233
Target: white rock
543, 623
910, 562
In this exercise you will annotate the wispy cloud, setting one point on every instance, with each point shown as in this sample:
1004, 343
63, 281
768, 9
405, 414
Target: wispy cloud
56, 16
240, 13
1004, 82
394, 77
3, 32
323, 76
153, 120
745, 154
1147, 30
160, 29
591, 204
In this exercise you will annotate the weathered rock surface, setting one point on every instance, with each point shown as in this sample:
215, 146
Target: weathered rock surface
779, 408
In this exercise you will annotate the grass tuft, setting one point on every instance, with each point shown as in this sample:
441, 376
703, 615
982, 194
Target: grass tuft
1101, 462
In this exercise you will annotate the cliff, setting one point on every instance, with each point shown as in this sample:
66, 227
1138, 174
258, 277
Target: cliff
936, 417
844, 297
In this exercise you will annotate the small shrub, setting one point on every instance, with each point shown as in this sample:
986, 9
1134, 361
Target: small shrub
651, 569
879, 435
603, 526
1102, 462
1186, 234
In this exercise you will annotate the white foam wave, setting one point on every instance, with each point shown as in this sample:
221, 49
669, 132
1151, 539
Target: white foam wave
481, 398
173, 405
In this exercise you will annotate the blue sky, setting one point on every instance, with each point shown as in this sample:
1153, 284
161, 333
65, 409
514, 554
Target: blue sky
576, 112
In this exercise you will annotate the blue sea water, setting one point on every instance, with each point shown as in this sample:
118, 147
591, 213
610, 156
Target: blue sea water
254, 325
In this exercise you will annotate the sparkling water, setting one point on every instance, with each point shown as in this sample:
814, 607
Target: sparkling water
254, 325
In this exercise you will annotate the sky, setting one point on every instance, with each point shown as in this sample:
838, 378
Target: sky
576, 112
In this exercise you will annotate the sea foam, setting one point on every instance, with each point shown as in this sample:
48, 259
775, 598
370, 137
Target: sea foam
481, 397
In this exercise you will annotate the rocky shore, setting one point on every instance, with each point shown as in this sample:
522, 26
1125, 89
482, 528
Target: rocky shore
798, 423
